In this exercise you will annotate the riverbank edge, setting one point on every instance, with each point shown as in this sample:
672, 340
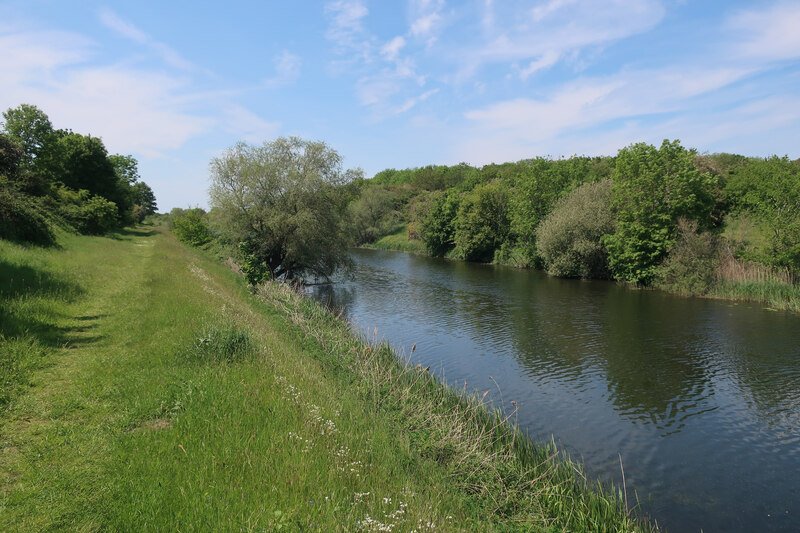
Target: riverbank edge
531, 484
773, 296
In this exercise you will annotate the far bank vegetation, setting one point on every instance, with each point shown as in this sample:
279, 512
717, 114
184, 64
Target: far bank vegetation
718, 225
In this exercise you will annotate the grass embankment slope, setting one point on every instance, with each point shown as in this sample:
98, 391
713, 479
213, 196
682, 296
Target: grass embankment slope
145, 388
399, 242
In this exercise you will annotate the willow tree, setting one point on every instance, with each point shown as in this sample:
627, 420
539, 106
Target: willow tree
283, 203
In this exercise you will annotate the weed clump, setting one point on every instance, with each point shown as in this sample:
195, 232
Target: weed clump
220, 342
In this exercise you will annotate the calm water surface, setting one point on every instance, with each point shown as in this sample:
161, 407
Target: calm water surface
701, 398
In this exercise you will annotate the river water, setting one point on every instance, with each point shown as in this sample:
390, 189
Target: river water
700, 398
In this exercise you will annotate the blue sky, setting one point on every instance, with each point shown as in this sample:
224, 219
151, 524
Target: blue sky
403, 84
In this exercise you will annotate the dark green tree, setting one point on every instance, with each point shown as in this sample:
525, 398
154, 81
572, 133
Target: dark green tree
31, 128
439, 227
653, 189
481, 224
144, 197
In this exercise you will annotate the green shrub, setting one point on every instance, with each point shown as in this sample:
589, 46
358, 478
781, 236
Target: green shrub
569, 239
21, 218
692, 263
191, 227
88, 214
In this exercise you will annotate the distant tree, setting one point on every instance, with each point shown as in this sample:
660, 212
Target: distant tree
769, 189
190, 226
284, 199
143, 196
537, 185
481, 224
569, 239
653, 189
439, 226
373, 214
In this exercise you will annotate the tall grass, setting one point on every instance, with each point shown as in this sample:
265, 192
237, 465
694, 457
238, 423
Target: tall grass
733, 270
513, 481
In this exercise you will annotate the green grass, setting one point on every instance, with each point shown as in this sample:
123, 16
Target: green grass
157, 393
773, 294
399, 241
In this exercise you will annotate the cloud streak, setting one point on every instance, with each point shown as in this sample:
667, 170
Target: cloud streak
127, 30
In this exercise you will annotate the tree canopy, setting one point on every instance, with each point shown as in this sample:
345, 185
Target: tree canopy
284, 202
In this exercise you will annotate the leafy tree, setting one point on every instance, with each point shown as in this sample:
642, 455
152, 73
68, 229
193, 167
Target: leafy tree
284, 200
769, 189
126, 168
373, 214
538, 184
481, 224
439, 226
29, 126
569, 239
653, 188
143, 196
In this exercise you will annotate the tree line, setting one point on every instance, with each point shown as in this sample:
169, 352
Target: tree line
53, 177
651, 215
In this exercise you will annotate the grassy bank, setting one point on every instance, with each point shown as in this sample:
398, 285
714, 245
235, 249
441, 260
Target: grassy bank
399, 242
151, 390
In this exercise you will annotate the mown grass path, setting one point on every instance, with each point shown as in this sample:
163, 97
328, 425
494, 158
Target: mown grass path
166, 397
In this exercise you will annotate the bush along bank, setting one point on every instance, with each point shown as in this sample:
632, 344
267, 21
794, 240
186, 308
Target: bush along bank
511, 482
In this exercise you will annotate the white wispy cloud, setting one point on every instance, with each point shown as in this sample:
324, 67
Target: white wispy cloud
540, 36
346, 25
390, 50
135, 110
287, 70
248, 126
768, 34
128, 30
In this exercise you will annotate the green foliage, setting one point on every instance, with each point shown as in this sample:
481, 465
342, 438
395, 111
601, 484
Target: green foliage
373, 214
692, 263
11, 155
769, 190
22, 218
653, 188
57, 165
190, 226
255, 270
569, 239
88, 213
481, 224
144, 198
537, 186
286, 199
30, 127
126, 168
438, 231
